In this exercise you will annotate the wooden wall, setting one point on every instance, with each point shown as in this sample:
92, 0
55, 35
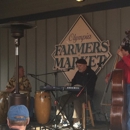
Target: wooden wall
38, 44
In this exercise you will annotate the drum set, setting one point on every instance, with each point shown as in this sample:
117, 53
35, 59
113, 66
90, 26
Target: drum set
3, 106
42, 105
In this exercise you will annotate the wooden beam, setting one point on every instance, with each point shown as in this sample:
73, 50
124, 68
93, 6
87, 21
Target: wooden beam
70, 11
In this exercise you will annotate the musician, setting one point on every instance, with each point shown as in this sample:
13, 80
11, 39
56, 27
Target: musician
86, 78
124, 64
24, 86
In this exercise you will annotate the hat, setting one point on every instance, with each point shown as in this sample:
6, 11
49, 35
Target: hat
18, 113
81, 61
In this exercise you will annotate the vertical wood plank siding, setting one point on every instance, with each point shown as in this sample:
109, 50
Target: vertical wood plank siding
38, 44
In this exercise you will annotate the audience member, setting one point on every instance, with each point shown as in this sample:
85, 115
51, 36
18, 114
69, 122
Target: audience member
18, 117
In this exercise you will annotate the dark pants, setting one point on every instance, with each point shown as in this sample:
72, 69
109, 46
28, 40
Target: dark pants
77, 101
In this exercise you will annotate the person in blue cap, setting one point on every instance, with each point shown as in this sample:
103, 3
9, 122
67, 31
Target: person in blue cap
18, 117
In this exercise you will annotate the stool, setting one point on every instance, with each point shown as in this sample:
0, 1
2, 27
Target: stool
89, 116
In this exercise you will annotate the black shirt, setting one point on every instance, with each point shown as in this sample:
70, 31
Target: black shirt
86, 79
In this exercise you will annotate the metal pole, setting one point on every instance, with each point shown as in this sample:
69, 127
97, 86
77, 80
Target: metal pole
17, 63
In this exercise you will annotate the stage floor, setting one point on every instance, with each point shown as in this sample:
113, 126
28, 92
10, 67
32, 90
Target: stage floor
37, 126
98, 126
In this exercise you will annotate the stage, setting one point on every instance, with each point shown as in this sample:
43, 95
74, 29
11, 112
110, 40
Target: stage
37, 126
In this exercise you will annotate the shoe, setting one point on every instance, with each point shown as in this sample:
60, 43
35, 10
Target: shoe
63, 123
77, 125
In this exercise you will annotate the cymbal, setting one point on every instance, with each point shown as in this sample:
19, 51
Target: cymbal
22, 25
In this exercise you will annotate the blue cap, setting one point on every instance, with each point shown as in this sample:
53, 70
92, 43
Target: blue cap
18, 113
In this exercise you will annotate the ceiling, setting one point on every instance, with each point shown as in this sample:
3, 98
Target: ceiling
30, 10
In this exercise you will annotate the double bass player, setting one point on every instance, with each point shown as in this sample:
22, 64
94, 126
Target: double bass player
124, 65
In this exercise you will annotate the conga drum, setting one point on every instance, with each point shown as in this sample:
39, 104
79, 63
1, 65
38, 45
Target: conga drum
27, 93
42, 106
3, 106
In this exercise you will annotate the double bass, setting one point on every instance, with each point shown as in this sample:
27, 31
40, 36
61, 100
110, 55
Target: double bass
118, 110
118, 113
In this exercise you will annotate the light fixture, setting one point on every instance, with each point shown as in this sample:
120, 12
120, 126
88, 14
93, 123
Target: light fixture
79, 0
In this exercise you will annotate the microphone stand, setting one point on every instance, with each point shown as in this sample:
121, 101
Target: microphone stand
34, 76
54, 95
105, 114
106, 89
106, 104
56, 102
57, 71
